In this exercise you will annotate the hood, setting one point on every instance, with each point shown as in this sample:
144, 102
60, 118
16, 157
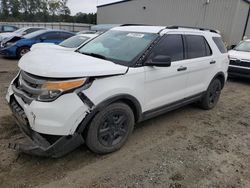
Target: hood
58, 64
8, 35
50, 46
239, 55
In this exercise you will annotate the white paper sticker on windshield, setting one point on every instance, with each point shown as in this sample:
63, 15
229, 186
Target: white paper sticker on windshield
136, 35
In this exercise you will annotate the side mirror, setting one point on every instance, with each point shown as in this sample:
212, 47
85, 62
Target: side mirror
160, 61
232, 47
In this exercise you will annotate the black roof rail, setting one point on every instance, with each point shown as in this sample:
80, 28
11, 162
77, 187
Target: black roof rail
123, 25
188, 27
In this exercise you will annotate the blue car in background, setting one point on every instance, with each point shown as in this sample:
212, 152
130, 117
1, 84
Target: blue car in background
18, 46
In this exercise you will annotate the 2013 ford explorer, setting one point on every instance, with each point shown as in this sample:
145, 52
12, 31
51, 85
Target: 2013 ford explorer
97, 93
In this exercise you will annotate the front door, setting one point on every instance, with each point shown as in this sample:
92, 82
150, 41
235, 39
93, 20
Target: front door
165, 85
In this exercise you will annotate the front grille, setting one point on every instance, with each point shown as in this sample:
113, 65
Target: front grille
28, 86
240, 63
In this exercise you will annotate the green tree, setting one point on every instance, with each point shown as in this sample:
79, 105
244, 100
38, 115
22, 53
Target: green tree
5, 8
14, 8
64, 10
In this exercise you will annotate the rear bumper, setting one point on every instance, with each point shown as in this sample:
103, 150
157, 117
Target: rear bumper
38, 144
239, 71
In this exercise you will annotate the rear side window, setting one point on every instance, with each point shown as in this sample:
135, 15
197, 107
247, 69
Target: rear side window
219, 43
9, 28
197, 46
65, 35
171, 46
52, 36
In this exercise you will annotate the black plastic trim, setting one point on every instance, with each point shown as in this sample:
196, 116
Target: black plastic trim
85, 99
104, 104
172, 106
38, 145
239, 72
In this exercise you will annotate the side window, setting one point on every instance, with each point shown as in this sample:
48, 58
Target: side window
65, 35
8, 28
31, 30
51, 36
172, 46
219, 43
197, 46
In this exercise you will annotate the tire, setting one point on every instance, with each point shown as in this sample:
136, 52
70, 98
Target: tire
110, 128
22, 51
212, 95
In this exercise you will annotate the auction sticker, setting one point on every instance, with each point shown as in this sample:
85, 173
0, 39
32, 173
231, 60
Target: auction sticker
136, 35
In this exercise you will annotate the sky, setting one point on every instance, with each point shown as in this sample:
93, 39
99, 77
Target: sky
86, 6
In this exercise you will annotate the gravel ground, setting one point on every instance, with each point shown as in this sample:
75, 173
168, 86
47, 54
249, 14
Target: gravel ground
188, 147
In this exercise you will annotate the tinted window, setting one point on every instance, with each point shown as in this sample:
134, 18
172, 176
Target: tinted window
197, 46
66, 35
219, 43
51, 36
171, 46
32, 30
9, 28
74, 42
35, 34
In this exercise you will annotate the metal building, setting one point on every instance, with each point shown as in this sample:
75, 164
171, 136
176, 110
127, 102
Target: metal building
230, 17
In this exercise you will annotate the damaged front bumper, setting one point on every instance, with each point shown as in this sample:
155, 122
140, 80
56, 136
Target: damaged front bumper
38, 144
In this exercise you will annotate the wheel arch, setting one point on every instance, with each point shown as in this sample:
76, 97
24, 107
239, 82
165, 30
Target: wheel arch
20, 47
131, 101
221, 76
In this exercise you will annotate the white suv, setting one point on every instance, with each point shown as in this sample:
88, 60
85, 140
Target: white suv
97, 93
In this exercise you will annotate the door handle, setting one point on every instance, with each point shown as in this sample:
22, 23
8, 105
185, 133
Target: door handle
182, 69
212, 62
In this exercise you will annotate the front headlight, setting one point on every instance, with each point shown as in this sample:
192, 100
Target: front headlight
53, 89
9, 44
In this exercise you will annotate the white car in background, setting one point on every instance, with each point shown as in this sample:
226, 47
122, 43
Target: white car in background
18, 33
70, 44
240, 60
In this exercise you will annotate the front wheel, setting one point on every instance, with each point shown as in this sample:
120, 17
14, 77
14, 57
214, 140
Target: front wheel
110, 128
212, 95
22, 51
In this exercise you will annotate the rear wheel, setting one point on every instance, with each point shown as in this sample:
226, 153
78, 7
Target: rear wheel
22, 51
212, 95
110, 128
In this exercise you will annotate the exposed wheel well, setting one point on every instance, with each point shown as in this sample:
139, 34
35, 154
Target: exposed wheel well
127, 99
221, 77
133, 106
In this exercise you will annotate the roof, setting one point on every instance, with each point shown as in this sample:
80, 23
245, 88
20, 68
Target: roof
123, 1
163, 29
144, 29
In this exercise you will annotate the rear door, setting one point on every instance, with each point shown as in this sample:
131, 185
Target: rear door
165, 85
200, 63
51, 37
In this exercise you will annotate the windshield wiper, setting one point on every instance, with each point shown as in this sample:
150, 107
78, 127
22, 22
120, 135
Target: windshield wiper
94, 55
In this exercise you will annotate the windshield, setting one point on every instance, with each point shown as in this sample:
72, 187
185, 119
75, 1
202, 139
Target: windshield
74, 42
34, 34
243, 46
119, 46
20, 31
